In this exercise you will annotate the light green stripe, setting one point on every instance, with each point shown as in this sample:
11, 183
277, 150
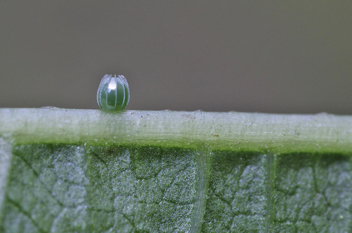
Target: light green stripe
268, 133
203, 170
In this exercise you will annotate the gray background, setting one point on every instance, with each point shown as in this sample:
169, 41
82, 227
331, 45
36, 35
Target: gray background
252, 56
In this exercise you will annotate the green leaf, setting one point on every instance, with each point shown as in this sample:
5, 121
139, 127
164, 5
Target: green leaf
160, 171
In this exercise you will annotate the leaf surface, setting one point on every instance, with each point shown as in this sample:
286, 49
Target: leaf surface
90, 171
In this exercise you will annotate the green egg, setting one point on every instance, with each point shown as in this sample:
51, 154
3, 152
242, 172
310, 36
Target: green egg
113, 93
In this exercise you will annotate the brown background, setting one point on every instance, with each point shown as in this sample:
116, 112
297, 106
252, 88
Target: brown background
252, 56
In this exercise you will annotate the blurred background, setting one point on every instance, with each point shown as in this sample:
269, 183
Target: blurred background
248, 56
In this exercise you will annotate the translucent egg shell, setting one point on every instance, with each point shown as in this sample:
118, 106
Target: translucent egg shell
113, 93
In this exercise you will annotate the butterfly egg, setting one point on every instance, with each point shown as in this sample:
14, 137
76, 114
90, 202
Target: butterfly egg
113, 93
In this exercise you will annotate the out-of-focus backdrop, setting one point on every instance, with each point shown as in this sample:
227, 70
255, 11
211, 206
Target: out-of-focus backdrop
251, 56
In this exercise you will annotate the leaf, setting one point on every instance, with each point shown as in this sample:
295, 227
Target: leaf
137, 171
